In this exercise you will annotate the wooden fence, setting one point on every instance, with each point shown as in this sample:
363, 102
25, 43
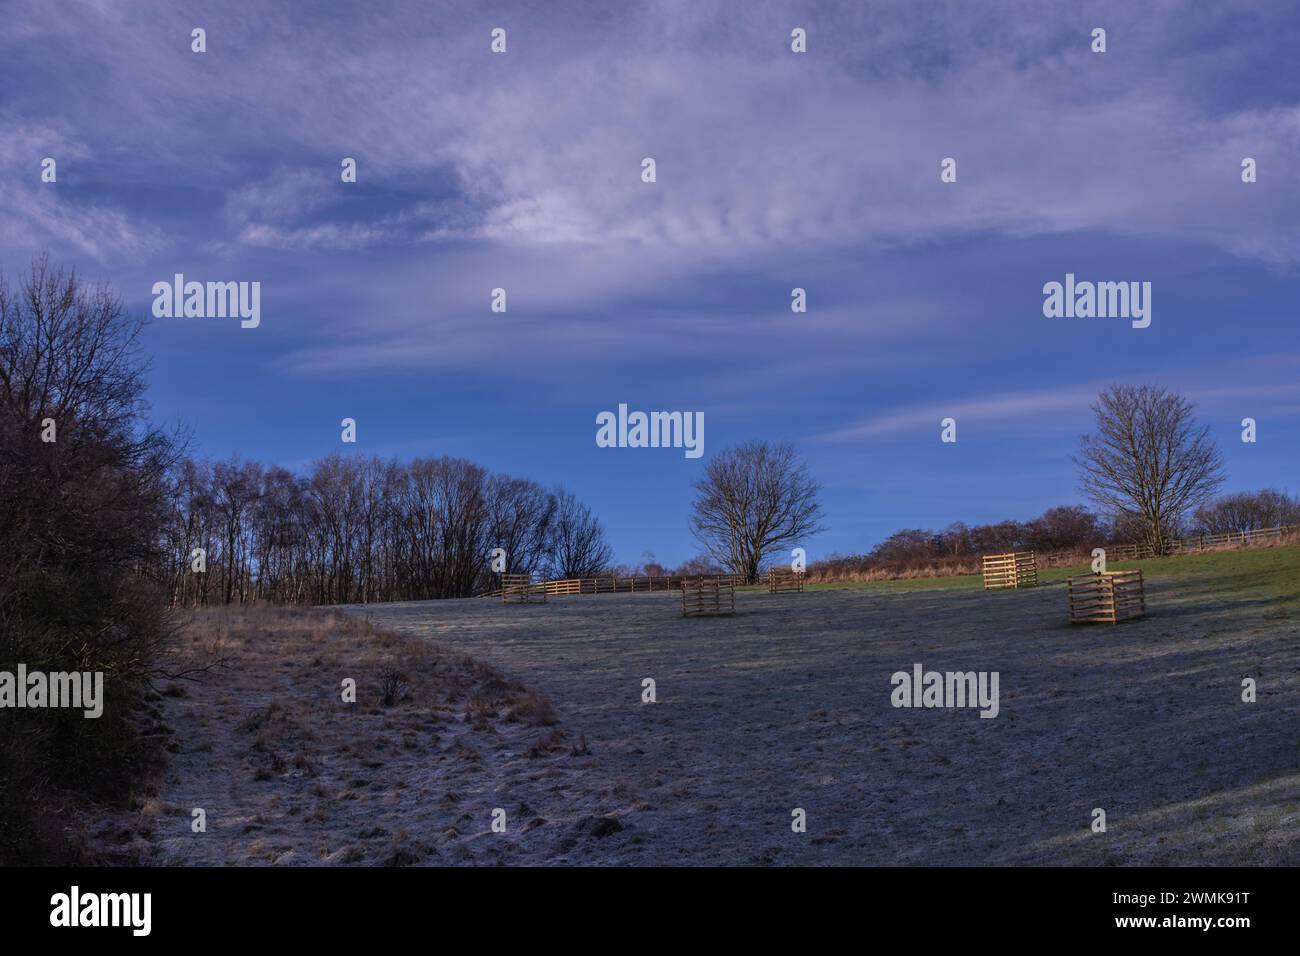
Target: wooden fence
1106, 597
640, 584
1017, 569
519, 589
780, 579
1193, 545
708, 596
1200, 542
614, 585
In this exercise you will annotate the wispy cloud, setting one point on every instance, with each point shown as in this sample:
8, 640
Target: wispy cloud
1036, 404
757, 149
1013, 406
775, 170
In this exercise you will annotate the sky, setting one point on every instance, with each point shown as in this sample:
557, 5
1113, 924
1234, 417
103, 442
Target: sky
774, 170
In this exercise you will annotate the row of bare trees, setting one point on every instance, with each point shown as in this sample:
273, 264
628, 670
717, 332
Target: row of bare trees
1057, 529
359, 529
103, 522
1247, 511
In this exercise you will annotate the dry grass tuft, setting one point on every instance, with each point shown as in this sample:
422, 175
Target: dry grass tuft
393, 687
292, 772
531, 708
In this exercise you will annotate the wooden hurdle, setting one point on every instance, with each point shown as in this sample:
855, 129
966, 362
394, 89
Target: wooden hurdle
1018, 569
781, 579
519, 589
1107, 597
703, 597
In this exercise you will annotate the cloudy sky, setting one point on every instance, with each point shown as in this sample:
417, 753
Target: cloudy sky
775, 170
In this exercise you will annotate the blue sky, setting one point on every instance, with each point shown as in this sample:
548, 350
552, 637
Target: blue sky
775, 170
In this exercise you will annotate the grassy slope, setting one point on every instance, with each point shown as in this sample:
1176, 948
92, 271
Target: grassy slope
1272, 573
290, 774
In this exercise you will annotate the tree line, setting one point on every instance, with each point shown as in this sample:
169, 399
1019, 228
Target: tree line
357, 529
1062, 529
104, 523
1057, 529
1248, 511
1149, 467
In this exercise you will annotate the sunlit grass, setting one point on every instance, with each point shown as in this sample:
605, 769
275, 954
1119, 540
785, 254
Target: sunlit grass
1261, 573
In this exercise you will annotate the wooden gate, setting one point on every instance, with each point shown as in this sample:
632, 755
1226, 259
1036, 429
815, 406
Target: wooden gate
708, 596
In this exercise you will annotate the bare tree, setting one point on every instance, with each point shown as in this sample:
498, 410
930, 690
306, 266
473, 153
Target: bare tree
82, 506
754, 500
1149, 462
698, 566
1063, 528
520, 513
237, 487
578, 546
1248, 511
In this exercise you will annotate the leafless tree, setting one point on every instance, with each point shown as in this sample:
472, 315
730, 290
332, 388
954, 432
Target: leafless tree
1063, 528
701, 565
357, 529
520, 518
236, 486
1248, 511
754, 500
578, 548
1149, 462
82, 505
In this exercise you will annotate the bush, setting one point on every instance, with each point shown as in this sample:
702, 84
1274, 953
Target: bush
1247, 511
80, 517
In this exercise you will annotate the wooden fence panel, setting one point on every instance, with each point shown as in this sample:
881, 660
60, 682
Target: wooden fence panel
1106, 597
519, 589
601, 585
781, 579
708, 596
1018, 569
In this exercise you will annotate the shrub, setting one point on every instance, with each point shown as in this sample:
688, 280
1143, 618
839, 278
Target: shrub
79, 528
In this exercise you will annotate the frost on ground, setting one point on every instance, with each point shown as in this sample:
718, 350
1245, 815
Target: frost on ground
286, 772
785, 705
788, 705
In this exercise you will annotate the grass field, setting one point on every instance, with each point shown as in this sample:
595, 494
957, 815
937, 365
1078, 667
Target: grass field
536, 711
788, 705
1271, 571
